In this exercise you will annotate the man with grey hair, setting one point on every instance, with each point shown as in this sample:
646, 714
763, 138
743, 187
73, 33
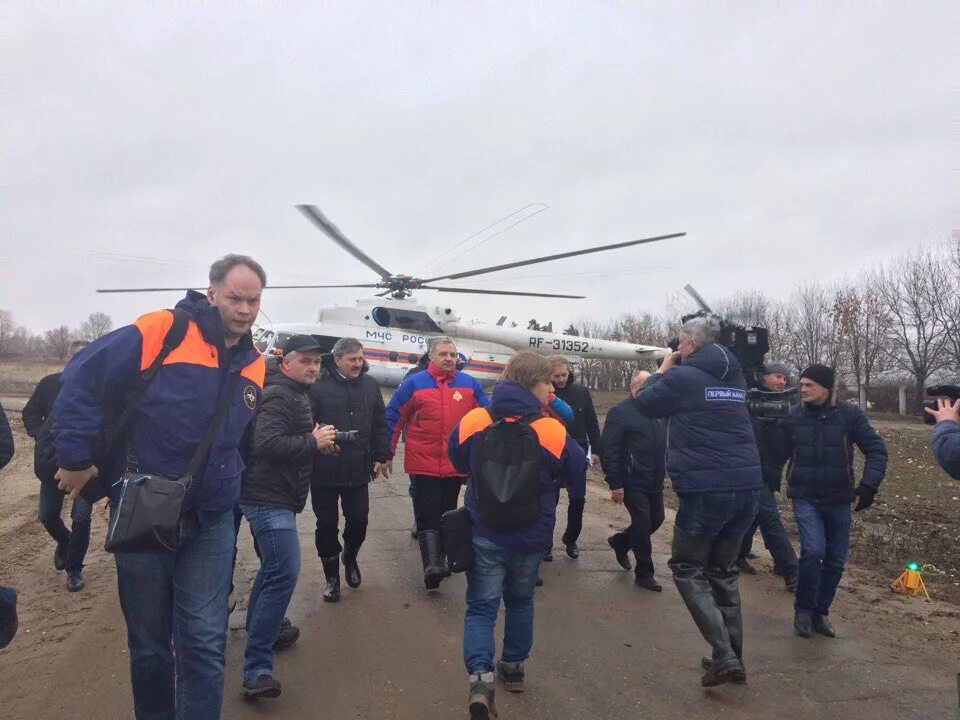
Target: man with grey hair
429, 405
714, 466
347, 397
174, 603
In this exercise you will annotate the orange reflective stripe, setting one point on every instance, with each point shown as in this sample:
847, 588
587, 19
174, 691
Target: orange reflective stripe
194, 350
153, 327
473, 422
255, 371
552, 435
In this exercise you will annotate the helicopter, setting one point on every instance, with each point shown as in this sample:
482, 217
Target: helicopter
395, 328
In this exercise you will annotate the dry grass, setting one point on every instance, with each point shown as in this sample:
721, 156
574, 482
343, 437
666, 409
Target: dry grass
18, 376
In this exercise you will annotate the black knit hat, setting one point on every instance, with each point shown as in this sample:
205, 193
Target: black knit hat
820, 374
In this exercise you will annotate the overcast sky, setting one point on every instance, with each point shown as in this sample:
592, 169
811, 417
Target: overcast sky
790, 141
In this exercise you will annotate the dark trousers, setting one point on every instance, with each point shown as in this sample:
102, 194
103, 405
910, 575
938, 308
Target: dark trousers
574, 520
355, 502
707, 533
432, 497
646, 516
77, 539
773, 533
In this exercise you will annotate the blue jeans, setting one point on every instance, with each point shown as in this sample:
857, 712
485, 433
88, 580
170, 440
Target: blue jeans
824, 541
774, 534
77, 539
275, 533
498, 574
175, 605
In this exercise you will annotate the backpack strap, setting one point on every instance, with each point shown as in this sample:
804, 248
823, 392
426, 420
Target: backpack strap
171, 341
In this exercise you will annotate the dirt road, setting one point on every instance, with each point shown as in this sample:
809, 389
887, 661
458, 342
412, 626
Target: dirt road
603, 649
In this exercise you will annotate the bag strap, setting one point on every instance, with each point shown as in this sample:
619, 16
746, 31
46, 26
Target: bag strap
223, 404
527, 419
171, 341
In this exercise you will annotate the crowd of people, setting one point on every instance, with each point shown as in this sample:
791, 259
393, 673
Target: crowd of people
180, 411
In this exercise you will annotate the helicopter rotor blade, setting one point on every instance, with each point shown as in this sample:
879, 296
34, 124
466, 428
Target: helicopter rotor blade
269, 287
500, 292
559, 256
310, 287
313, 214
141, 290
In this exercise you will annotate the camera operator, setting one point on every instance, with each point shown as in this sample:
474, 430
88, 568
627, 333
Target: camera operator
773, 379
285, 441
818, 437
347, 397
714, 465
945, 440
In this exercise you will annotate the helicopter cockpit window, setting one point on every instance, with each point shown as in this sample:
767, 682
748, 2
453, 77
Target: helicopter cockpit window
262, 341
404, 319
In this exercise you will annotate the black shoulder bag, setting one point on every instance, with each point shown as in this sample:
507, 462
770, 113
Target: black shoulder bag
148, 516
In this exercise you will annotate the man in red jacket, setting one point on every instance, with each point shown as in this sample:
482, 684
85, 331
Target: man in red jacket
430, 404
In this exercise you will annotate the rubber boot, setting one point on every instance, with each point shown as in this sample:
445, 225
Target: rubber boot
331, 569
723, 574
430, 556
688, 562
350, 568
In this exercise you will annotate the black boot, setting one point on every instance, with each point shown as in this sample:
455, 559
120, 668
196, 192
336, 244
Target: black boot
620, 548
350, 568
822, 625
331, 568
802, 624
430, 556
723, 574
688, 562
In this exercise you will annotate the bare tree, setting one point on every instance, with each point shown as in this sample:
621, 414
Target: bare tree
946, 305
7, 329
95, 326
811, 335
909, 288
747, 307
58, 341
862, 323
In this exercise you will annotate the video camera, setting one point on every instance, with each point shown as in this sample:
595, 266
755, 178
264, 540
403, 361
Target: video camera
935, 391
750, 345
343, 437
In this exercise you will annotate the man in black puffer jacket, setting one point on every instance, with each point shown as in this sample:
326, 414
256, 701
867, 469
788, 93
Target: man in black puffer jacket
273, 490
585, 429
633, 455
818, 438
714, 466
71, 545
347, 397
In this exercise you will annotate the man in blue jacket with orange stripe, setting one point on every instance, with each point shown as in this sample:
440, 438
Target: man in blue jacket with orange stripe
174, 604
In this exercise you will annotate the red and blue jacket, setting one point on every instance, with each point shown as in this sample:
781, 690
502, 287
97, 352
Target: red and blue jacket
174, 413
429, 404
561, 460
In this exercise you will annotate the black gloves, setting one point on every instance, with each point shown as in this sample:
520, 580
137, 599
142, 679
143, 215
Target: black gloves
864, 495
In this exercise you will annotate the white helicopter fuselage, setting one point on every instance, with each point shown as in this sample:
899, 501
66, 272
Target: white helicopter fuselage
395, 332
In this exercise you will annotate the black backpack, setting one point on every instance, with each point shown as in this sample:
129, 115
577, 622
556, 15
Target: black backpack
507, 481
